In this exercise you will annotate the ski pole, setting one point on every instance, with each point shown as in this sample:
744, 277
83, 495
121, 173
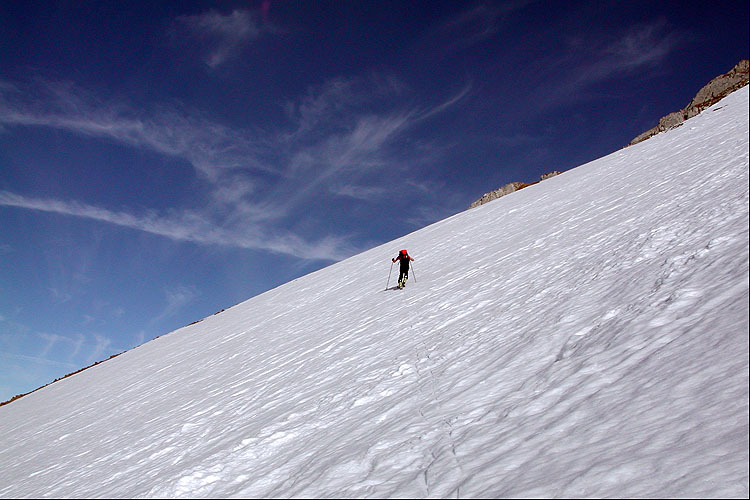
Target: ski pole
412, 272
389, 276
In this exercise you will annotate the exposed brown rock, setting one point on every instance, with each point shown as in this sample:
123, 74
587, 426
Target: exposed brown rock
509, 188
498, 193
710, 94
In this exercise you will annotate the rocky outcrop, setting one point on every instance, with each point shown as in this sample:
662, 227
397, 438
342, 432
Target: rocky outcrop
498, 193
509, 188
710, 94
550, 174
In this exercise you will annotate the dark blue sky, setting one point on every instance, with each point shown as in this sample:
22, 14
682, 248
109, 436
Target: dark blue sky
160, 161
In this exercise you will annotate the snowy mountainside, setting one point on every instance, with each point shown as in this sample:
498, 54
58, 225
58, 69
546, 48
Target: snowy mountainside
583, 337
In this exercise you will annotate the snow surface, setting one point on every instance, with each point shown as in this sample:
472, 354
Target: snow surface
584, 337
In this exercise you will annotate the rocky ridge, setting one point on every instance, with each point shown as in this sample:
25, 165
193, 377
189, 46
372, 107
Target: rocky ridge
710, 94
509, 188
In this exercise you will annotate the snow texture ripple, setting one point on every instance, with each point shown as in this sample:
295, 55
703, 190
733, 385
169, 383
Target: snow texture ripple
584, 337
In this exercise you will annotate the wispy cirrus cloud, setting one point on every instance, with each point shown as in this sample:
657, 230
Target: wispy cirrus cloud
346, 156
102, 348
191, 226
642, 46
339, 103
225, 158
350, 122
337, 134
472, 26
49, 342
357, 146
593, 59
359, 192
208, 146
176, 298
97, 347
220, 37
475, 24
334, 122
38, 360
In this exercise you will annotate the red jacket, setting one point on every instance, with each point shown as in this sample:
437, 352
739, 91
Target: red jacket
404, 258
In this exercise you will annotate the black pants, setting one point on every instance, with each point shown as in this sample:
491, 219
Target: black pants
404, 274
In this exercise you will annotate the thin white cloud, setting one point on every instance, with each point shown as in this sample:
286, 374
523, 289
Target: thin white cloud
450, 102
477, 23
339, 133
365, 193
321, 105
50, 341
338, 103
186, 226
176, 298
58, 343
60, 296
640, 47
38, 360
472, 26
140, 338
587, 61
102, 348
221, 37
224, 157
353, 153
363, 142
78, 342
211, 148
643, 45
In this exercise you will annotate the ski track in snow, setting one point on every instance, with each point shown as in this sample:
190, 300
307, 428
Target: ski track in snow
583, 337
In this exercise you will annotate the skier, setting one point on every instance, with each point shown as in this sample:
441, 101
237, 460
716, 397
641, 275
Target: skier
404, 258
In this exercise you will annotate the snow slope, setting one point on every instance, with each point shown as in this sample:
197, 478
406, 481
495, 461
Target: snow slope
584, 337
